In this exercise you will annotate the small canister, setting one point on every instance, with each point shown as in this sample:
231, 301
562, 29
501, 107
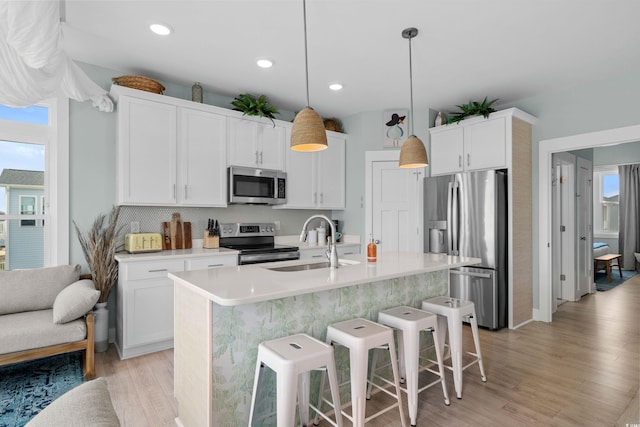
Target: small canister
312, 237
322, 235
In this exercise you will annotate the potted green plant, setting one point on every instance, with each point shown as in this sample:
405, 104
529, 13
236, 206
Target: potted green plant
251, 106
99, 245
473, 108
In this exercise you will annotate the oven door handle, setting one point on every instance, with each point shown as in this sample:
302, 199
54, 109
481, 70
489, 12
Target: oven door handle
266, 257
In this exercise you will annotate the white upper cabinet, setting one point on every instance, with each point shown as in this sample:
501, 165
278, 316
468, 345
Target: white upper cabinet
147, 141
169, 153
202, 159
474, 144
316, 180
255, 144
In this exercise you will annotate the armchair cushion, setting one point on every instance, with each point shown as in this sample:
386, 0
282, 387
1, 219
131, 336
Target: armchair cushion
34, 289
75, 301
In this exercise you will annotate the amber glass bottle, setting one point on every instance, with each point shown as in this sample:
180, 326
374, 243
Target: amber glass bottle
372, 250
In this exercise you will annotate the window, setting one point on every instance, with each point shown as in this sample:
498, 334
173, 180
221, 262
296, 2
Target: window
27, 206
34, 151
606, 201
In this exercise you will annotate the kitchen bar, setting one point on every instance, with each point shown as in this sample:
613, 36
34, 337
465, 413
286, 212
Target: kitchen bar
221, 316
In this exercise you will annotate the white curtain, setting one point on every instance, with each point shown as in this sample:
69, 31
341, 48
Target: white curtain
33, 66
629, 225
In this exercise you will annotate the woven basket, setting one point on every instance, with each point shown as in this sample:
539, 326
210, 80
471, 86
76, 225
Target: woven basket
333, 125
140, 83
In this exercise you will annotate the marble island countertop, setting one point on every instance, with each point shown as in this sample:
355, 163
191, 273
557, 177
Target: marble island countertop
246, 284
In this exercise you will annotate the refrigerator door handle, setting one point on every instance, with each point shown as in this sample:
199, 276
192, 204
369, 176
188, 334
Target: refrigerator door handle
450, 219
466, 273
456, 219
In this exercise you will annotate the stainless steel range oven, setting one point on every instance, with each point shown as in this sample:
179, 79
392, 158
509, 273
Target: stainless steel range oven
256, 242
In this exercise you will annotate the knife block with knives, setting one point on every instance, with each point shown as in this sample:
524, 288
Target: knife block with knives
211, 235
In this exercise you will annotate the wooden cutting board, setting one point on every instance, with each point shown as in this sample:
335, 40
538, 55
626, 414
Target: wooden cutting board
179, 233
166, 235
186, 230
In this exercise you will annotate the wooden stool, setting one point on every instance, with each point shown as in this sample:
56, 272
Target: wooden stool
606, 259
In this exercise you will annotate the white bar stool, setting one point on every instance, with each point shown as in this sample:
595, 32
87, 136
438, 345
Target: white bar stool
409, 322
293, 358
450, 313
359, 336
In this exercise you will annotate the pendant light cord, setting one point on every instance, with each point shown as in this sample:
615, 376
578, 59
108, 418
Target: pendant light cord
306, 59
411, 83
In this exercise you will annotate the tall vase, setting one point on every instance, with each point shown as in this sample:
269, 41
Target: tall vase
101, 327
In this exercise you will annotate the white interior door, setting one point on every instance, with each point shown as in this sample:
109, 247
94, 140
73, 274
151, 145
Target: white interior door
395, 196
584, 224
565, 256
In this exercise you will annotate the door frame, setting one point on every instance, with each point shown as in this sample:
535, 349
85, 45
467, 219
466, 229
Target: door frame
389, 156
545, 149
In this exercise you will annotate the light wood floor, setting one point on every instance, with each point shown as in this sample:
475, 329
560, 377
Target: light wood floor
583, 369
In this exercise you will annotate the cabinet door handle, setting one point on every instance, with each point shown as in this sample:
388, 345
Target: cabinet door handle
348, 253
174, 191
214, 265
321, 198
317, 256
158, 270
256, 156
186, 192
460, 161
468, 159
261, 157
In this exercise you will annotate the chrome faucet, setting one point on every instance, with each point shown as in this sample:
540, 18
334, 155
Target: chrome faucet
332, 252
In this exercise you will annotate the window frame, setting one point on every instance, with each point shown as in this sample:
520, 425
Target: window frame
23, 214
55, 138
598, 173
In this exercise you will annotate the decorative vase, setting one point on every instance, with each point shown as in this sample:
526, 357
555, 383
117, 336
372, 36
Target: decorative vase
196, 92
440, 120
101, 327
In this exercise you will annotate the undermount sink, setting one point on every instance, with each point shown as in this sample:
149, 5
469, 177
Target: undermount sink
312, 266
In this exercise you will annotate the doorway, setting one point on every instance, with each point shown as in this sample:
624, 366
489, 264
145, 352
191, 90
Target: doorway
546, 148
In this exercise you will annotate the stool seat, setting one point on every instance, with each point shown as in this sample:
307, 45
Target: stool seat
293, 358
409, 322
359, 336
451, 312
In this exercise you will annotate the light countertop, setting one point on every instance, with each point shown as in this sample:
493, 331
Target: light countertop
247, 284
174, 254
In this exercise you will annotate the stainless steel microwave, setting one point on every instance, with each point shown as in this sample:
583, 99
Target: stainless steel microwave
256, 186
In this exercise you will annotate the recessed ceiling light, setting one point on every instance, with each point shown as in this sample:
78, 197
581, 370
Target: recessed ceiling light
264, 63
335, 86
161, 29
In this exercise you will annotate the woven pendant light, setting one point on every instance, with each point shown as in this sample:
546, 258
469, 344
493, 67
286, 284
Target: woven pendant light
308, 132
412, 154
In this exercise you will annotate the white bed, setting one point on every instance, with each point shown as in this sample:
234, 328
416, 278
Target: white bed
600, 249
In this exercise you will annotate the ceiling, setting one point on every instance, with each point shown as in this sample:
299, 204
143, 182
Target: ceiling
465, 49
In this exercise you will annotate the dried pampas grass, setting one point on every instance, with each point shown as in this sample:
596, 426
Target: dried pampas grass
99, 246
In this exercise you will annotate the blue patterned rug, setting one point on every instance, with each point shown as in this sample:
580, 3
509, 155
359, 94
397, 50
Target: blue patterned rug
27, 388
602, 284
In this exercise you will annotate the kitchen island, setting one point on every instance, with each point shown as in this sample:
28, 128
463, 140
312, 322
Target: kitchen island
221, 316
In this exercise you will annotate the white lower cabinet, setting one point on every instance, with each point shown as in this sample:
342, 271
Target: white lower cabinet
144, 312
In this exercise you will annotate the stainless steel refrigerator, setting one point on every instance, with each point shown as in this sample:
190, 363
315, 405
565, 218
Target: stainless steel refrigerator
466, 214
